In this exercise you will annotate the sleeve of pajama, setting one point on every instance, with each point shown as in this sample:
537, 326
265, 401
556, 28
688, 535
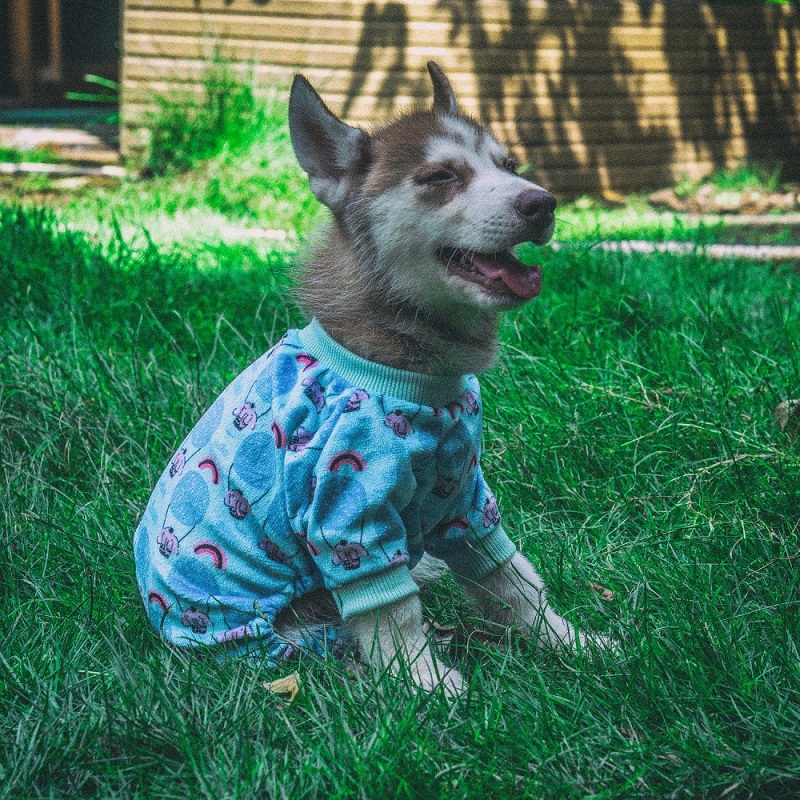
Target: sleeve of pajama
475, 543
362, 480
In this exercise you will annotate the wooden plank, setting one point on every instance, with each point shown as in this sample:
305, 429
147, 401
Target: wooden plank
763, 253
569, 184
590, 83
624, 13
572, 181
627, 13
612, 155
62, 170
291, 29
69, 144
332, 82
55, 40
343, 56
605, 143
415, 33
21, 46
643, 111
568, 181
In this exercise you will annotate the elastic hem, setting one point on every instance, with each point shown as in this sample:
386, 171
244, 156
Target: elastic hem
473, 561
373, 591
374, 378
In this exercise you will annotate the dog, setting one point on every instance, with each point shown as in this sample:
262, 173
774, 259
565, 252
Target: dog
326, 471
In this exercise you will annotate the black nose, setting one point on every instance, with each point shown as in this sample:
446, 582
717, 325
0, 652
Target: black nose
535, 205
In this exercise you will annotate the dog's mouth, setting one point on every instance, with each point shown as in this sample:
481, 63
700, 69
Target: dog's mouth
496, 273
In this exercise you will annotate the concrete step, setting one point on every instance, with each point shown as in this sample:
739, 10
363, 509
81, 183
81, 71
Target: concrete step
71, 145
767, 253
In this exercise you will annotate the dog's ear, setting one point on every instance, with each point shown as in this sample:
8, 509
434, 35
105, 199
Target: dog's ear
443, 98
328, 149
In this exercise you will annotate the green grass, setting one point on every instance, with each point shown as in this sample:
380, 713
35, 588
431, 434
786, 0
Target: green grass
187, 130
14, 156
747, 176
630, 440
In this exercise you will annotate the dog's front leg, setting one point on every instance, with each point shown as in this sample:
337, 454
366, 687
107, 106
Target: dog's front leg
391, 637
514, 594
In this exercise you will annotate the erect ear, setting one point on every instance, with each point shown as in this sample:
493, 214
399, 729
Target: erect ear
327, 149
443, 98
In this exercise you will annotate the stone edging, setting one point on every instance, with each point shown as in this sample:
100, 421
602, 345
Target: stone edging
750, 252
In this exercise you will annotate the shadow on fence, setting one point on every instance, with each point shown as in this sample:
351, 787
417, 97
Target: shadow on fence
733, 70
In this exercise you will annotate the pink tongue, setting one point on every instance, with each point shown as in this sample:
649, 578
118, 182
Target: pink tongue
525, 282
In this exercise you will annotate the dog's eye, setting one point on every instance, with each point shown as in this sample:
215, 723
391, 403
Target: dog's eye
510, 165
437, 176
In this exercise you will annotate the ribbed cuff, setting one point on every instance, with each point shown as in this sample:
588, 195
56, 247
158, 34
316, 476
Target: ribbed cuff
373, 591
472, 562
413, 387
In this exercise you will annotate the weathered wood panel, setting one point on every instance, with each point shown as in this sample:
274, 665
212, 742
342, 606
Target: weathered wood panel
599, 96
419, 33
320, 53
560, 13
640, 85
655, 118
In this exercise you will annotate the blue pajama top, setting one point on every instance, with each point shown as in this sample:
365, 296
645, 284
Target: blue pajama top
314, 468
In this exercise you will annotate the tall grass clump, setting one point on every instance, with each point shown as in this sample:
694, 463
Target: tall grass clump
187, 130
235, 142
629, 437
747, 176
250, 173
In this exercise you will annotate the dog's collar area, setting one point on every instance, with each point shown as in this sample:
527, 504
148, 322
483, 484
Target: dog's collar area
380, 379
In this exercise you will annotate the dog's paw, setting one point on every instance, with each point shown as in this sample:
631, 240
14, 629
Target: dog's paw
453, 684
598, 643
549, 629
555, 632
429, 674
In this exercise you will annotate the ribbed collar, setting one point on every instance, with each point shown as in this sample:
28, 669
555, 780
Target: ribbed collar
413, 387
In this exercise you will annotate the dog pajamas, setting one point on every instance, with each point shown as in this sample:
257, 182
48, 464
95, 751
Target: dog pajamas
314, 468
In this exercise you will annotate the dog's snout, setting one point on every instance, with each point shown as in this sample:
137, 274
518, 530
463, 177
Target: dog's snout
535, 205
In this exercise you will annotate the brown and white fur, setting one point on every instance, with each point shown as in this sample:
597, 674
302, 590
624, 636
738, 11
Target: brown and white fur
413, 271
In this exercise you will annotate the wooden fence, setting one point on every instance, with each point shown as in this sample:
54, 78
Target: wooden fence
600, 96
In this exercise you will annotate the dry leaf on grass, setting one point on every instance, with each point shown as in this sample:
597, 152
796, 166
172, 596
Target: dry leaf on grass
606, 594
289, 685
442, 634
466, 637
461, 636
630, 733
787, 415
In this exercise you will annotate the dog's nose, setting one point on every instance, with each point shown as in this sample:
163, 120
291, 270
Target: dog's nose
535, 205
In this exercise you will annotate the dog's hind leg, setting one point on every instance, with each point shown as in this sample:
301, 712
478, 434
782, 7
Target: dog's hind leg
428, 570
391, 637
514, 594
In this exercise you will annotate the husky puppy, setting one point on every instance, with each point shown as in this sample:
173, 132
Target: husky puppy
327, 469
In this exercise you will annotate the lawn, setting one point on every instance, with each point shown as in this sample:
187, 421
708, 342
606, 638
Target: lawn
629, 436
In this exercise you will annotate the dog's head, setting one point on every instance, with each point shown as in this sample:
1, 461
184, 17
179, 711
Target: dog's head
431, 202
